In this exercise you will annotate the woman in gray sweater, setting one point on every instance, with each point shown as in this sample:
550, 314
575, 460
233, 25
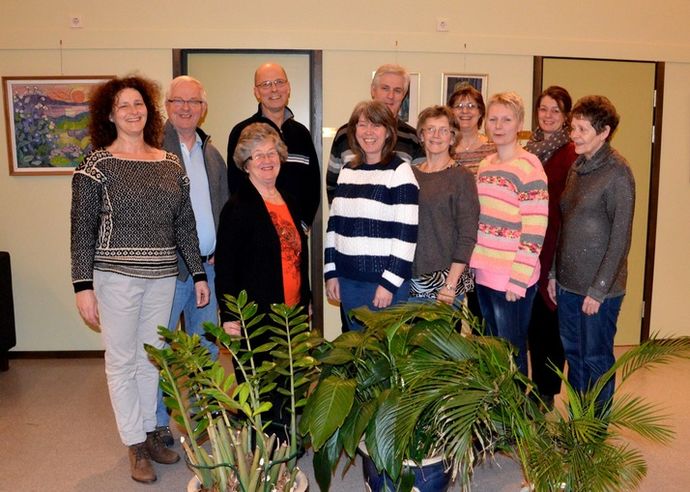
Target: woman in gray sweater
588, 282
448, 212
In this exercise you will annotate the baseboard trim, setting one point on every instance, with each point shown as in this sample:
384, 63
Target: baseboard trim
57, 354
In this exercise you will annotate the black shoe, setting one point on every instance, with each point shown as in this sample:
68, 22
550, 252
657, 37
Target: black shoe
165, 435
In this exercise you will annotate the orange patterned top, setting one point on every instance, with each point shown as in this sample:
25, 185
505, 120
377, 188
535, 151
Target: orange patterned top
290, 249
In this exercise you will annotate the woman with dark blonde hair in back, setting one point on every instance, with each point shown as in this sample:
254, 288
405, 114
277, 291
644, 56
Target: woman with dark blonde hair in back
471, 146
550, 142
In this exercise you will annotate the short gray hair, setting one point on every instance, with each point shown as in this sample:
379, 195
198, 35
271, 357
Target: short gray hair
186, 78
394, 69
251, 137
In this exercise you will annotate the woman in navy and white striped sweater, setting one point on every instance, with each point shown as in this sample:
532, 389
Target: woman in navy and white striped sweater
372, 228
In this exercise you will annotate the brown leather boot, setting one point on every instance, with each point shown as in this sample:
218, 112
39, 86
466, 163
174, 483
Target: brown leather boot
140, 464
157, 450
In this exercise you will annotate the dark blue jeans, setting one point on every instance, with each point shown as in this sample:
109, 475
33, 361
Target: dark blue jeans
509, 320
354, 293
588, 341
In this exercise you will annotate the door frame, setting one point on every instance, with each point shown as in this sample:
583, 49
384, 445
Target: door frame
180, 67
655, 162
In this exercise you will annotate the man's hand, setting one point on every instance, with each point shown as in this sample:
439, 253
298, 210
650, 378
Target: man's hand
203, 294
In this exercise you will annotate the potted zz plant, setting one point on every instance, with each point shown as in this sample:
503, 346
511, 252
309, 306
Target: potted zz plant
412, 387
226, 443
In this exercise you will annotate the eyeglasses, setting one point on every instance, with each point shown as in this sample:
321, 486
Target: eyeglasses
442, 131
178, 102
268, 84
468, 105
263, 156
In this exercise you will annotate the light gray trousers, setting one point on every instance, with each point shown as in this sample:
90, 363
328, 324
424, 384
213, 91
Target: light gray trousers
131, 309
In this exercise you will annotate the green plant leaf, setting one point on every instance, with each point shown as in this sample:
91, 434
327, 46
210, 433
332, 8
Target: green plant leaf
330, 403
337, 356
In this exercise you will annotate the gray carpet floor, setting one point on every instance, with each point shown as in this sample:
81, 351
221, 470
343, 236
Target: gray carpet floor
57, 433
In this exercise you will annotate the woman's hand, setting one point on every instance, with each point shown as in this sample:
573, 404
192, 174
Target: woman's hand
551, 290
590, 306
232, 328
203, 294
333, 289
513, 296
88, 307
382, 297
445, 297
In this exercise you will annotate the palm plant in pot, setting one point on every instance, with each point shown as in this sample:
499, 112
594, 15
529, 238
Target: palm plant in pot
412, 386
229, 412
581, 448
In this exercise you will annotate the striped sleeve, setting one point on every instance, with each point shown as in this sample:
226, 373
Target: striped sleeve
533, 202
405, 192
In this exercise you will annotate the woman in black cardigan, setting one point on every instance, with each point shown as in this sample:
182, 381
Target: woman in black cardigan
261, 244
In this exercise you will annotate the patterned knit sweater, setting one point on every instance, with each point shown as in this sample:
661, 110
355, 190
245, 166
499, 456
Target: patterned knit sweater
129, 217
372, 229
513, 200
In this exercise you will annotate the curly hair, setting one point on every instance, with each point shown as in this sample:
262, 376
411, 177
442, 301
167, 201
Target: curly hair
253, 135
379, 114
466, 90
102, 102
600, 112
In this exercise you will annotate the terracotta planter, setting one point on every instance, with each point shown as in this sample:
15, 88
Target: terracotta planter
301, 483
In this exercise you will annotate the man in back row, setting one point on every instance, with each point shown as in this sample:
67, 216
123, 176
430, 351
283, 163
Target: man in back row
186, 105
389, 85
299, 176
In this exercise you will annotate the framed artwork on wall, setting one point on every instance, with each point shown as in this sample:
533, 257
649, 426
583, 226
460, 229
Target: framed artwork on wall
47, 120
409, 109
451, 81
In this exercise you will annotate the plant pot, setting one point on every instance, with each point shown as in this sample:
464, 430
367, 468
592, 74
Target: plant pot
301, 483
432, 476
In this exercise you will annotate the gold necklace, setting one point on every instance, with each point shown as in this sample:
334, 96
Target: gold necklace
474, 141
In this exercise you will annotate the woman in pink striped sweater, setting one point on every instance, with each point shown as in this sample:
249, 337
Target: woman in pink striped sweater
513, 201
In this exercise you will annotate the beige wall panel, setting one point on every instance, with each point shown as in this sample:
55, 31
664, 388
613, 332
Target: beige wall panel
34, 211
229, 82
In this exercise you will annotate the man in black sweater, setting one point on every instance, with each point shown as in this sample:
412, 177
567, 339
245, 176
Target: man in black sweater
299, 176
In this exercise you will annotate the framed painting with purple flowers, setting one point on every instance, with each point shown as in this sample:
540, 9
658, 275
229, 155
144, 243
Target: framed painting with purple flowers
47, 122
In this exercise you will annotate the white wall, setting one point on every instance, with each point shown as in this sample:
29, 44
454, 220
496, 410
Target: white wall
493, 37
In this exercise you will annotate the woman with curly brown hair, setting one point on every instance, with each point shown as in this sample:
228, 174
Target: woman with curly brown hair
130, 213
